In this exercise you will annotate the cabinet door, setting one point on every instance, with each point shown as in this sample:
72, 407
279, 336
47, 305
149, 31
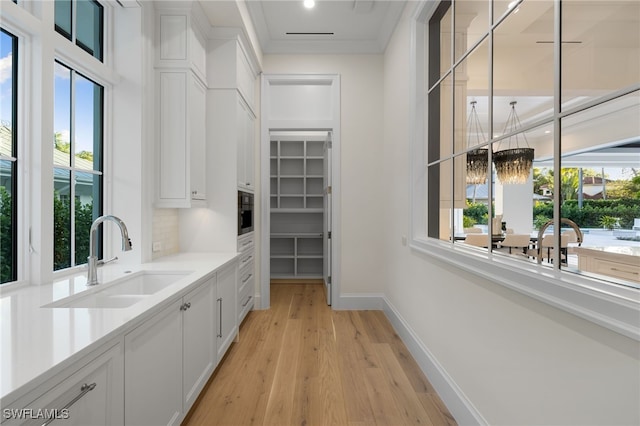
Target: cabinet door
241, 135
93, 395
249, 139
197, 138
199, 341
227, 320
174, 190
153, 370
245, 138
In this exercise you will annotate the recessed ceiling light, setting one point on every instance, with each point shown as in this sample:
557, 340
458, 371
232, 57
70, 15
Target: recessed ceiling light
309, 4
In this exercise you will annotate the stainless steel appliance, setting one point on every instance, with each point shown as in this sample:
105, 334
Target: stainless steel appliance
245, 212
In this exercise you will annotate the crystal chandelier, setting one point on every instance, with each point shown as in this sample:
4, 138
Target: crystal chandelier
477, 159
513, 165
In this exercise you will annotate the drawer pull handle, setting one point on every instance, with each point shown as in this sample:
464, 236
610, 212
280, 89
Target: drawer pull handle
626, 272
246, 243
220, 323
86, 388
246, 259
247, 279
247, 302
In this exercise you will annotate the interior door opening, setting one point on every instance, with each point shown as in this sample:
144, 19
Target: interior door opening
300, 207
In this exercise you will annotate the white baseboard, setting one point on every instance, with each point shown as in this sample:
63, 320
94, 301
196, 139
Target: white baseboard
360, 302
450, 393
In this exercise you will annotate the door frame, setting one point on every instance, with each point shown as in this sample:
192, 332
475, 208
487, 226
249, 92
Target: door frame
329, 122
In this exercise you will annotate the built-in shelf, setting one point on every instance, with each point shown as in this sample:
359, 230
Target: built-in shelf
297, 207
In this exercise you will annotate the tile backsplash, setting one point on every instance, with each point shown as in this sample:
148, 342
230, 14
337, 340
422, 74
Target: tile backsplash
165, 232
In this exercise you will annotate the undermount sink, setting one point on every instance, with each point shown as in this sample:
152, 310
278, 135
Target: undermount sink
145, 283
103, 301
123, 292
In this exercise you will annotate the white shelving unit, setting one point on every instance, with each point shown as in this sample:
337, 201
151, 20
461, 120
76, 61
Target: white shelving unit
296, 207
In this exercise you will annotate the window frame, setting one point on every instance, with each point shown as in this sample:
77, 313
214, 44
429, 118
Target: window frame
39, 46
612, 306
16, 165
73, 170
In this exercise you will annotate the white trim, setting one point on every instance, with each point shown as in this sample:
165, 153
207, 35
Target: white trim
461, 408
609, 305
265, 182
612, 306
362, 301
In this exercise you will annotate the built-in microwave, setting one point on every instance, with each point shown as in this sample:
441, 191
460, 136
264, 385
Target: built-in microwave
245, 212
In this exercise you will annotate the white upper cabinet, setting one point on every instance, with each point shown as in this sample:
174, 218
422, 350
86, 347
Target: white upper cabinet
180, 38
246, 139
181, 107
230, 67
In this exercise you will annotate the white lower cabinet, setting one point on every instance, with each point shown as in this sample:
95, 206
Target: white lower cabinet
246, 275
170, 357
198, 340
89, 395
227, 322
153, 370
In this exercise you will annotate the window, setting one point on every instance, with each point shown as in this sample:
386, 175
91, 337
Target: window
557, 79
8, 156
78, 165
496, 104
87, 32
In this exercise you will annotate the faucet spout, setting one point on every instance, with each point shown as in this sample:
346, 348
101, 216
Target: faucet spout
572, 224
92, 260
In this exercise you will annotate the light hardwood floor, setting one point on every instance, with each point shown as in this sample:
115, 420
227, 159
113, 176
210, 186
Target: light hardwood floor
300, 363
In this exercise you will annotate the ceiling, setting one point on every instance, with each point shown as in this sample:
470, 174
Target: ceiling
332, 26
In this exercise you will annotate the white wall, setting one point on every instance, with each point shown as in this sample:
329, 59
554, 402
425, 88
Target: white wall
517, 360
361, 81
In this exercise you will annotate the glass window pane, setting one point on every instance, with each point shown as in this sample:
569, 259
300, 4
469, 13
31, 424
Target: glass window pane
600, 48
7, 93
61, 219
8, 149
502, 7
472, 99
7, 222
446, 25
87, 209
88, 124
440, 121
471, 23
63, 17
89, 27
440, 203
601, 188
523, 63
62, 116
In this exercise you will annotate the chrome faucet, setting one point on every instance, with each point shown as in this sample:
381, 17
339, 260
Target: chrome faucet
92, 260
572, 224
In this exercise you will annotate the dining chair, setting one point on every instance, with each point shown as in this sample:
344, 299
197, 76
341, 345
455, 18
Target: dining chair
472, 230
515, 240
478, 240
548, 243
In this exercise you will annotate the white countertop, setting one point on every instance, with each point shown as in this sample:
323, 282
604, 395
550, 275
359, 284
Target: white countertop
614, 250
37, 342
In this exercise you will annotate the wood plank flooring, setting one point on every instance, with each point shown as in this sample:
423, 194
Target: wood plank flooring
300, 363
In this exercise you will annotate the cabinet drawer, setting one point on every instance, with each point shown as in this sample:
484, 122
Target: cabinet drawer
246, 242
246, 258
623, 271
246, 297
246, 275
92, 395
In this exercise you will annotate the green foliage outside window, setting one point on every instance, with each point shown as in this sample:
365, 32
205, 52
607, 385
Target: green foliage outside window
62, 232
592, 211
6, 233
476, 212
